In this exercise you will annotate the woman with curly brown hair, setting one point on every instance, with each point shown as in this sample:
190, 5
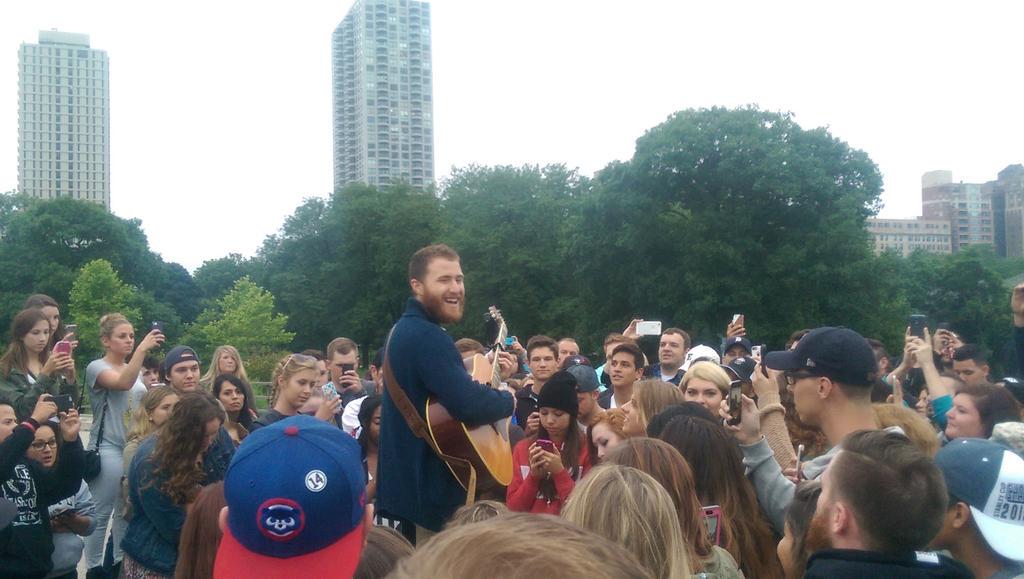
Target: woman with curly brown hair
718, 472
165, 478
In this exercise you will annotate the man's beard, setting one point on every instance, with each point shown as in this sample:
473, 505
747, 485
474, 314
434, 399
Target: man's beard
818, 536
435, 307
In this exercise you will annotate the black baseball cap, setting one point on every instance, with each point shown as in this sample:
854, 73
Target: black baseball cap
837, 353
737, 341
741, 368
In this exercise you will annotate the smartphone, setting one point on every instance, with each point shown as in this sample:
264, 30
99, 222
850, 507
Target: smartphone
546, 444
736, 318
62, 347
735, 404
509, 341
755, 352
648, 328
63, 402
713, 521
799, 457
71, 330
158, 326
348, 368
917, 325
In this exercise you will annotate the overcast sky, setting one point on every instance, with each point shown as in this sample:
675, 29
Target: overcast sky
221, 111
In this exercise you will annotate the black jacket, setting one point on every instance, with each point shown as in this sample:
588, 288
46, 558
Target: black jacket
852, 564
26, 545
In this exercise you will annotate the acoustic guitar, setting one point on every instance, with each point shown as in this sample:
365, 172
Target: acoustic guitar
486, 449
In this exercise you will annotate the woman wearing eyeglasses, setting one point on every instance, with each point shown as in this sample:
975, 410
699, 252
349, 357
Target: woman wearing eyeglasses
293, 382
70, 519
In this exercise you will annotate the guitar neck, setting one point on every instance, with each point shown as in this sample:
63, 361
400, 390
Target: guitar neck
499, 346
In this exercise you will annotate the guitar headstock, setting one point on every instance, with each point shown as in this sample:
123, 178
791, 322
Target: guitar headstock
495, 314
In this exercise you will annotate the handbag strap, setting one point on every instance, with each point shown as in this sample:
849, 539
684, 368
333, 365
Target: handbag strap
416, 423
103, 414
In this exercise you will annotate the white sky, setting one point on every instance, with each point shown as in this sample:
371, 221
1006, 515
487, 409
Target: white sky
221, 110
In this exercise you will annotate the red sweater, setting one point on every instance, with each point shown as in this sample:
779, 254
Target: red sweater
524, 492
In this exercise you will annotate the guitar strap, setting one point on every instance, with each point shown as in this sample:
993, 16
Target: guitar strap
417, 425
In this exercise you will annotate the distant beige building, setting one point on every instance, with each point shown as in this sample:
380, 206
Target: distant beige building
64, 119
965, 206
906, 236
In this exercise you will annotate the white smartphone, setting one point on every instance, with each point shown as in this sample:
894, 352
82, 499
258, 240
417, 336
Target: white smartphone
648, 328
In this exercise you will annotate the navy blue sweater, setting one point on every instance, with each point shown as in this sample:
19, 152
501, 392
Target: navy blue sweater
413, 483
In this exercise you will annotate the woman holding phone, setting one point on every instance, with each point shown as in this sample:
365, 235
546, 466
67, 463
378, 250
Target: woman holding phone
28, 369
293, 383
547, 465
115, 389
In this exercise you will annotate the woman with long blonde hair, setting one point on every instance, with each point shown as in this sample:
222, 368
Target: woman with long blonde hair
292, 384
631, 508
226, 360
649, 398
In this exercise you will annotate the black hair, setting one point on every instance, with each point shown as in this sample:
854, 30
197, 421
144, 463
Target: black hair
970, 352
244, 414
366, 410
151, 363
661, 419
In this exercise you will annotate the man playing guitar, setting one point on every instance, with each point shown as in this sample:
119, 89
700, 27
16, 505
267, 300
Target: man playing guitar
414, 483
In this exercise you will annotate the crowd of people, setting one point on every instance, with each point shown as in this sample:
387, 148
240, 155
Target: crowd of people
825, 458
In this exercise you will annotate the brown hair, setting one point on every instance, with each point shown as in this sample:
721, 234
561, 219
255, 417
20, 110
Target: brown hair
617, 338
719, 475
201, 534
541, 341
658, 459
652, 396
679, 332
571, 447
385, 547
515, 545
615, 418
16, 355
796, 337
798, 519
633, 350
140, 426
884, 478
469, 346
476, 512
995, 404
180, 441
643, 520
342, 346
916, 427
421, 259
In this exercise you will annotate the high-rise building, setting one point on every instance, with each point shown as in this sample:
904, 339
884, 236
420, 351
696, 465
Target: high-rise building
383, 95
1007, 194
906, 236
963, 205
64, 119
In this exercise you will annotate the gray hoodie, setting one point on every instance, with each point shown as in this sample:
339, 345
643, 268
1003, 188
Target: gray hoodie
67, 547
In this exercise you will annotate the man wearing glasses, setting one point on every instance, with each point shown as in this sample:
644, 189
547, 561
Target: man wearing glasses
830, 373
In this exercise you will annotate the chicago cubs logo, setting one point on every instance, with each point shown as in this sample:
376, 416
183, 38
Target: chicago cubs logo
281, 519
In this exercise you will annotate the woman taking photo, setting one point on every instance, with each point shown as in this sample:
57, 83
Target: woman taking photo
70, 519
51, 309
114, 389
28, 369
718, 472
292, 385
547, 465
166, 476
233, 395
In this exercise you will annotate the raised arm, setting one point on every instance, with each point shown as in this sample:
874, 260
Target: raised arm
125, 378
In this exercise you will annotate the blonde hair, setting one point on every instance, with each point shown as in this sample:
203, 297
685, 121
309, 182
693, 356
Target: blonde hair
914, 426
707, 371
214, 371
289, 366
141, 427
652, 396
644, 519
475, 513
110, 322
515, 545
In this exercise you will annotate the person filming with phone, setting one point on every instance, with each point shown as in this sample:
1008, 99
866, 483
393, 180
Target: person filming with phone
29, 368
343, 366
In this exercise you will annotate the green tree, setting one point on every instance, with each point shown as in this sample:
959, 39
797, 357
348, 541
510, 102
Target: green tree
97, 291
217, 276
244, 317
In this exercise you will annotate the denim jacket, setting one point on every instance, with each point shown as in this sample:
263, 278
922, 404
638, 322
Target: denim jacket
153, 533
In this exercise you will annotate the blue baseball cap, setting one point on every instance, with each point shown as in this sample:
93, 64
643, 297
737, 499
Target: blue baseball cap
990, 479
296, 497
837, 353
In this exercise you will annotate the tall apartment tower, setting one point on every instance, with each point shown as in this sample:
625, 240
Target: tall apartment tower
963, 205
64, 119
383, 95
